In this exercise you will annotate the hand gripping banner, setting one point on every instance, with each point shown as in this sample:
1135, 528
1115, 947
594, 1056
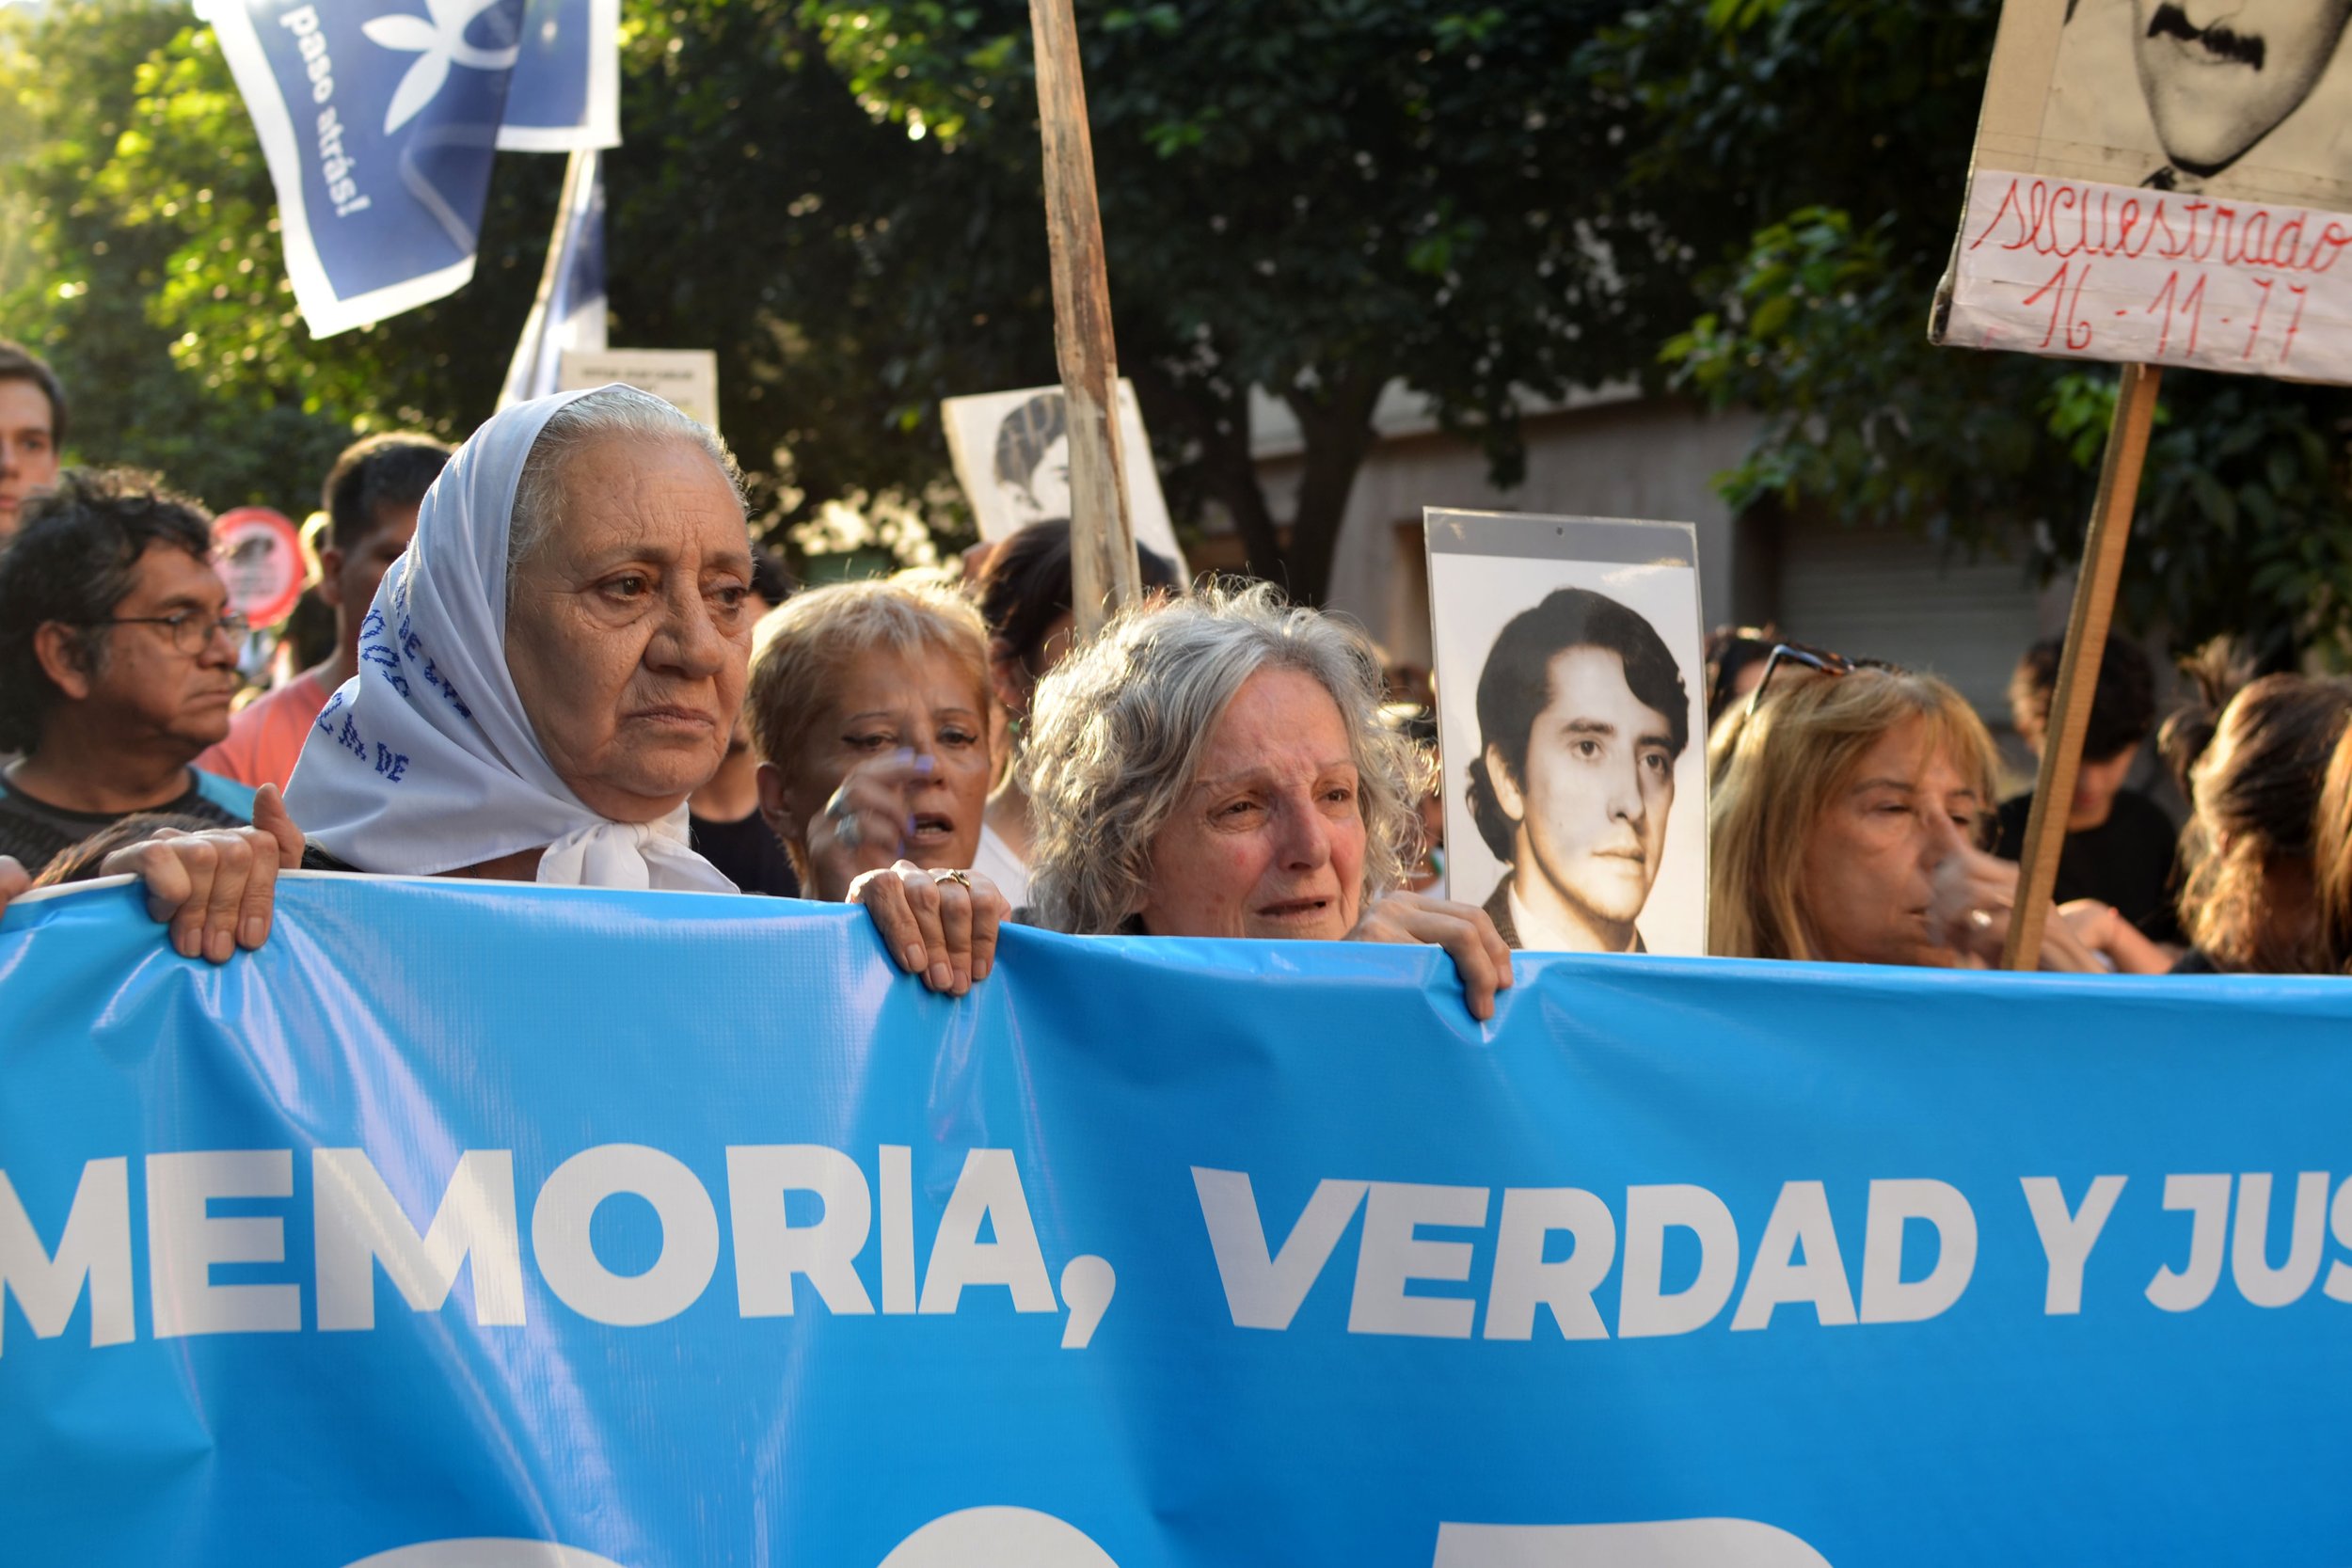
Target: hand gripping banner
473, 1227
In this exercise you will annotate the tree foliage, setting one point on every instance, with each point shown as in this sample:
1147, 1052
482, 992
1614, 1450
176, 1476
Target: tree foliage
744, 206
1814, 153
844, 202
98, 258
1316, 199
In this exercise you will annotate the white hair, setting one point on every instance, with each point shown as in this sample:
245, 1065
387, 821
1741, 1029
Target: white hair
1120, 726
614, 412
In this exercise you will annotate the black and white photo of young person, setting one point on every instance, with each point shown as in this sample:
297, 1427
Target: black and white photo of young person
1032, 459
2243, 99
1583, 714
1012, 456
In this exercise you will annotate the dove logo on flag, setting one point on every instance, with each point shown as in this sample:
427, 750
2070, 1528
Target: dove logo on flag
380, 119
437, 44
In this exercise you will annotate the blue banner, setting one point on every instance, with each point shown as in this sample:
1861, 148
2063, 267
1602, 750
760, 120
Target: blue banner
482, 1225
380, 123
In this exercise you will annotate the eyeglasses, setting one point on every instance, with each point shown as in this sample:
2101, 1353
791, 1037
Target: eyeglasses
1812, 659
192, 631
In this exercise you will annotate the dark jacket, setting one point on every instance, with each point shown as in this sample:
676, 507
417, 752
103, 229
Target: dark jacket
1498, 907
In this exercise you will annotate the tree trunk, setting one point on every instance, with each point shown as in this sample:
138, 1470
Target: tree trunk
1220, 427
1337, 422
1337, 426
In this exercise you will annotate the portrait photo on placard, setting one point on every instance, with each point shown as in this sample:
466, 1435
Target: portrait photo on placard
1572, 726
2161, 182
1012, 456
2250, 100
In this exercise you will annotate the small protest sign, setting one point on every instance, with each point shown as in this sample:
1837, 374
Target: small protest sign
1012, 453
258, 555
2156, 184
688, 378
1573, 728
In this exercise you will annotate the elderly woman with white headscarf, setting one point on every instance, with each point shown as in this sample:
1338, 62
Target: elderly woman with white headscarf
1215, 767
558, 662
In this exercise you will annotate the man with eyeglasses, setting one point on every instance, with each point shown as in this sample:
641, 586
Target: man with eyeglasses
118, 662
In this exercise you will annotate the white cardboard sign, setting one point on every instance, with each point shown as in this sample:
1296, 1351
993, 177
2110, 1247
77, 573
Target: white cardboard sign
1012, 453
2162, 182
1572, 720
688, 378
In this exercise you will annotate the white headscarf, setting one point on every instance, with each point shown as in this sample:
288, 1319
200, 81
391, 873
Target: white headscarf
425, 761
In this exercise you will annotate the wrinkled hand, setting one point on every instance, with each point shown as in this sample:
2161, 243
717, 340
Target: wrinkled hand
215, 889
1464, 930
2101, 929
1969, 913
935, 926
1969, 907
864, 827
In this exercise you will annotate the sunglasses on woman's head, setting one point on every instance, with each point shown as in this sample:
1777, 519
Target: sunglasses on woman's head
1821, 659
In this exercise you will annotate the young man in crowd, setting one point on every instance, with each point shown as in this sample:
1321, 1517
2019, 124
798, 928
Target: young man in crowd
2119, 844
1583, 714
117, 661
32, 428
371, 500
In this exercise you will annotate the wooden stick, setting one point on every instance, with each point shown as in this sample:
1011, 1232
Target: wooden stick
2078, 670
1103, 569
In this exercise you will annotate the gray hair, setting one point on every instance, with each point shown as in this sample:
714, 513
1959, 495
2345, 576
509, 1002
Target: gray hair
1120, 726
605, 414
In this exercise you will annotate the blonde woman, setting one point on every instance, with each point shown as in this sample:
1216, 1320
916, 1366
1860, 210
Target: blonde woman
1848, 821
870, 707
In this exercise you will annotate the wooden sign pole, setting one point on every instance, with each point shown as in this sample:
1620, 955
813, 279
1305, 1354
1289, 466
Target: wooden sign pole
2078, 670
1104, 573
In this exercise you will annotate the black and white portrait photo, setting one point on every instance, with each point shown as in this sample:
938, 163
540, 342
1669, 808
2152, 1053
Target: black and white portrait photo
2161, 182
1568, 655
2250, 100
1011, 454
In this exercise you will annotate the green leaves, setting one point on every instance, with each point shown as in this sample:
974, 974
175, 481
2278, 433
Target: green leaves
1751, 199
1313, 198
149, 224
1813, 150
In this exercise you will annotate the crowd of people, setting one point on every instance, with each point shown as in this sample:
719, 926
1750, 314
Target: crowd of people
558, 656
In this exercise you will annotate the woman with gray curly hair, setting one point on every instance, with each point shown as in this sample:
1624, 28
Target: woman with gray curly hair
1215, 767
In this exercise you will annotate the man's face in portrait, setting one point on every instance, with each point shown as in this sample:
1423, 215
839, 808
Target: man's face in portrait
2221, 74
1047, 494
1600, 781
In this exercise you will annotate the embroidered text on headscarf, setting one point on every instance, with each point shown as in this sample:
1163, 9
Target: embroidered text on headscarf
377, 649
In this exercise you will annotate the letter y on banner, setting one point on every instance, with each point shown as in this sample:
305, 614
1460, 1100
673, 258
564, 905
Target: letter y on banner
380, 121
